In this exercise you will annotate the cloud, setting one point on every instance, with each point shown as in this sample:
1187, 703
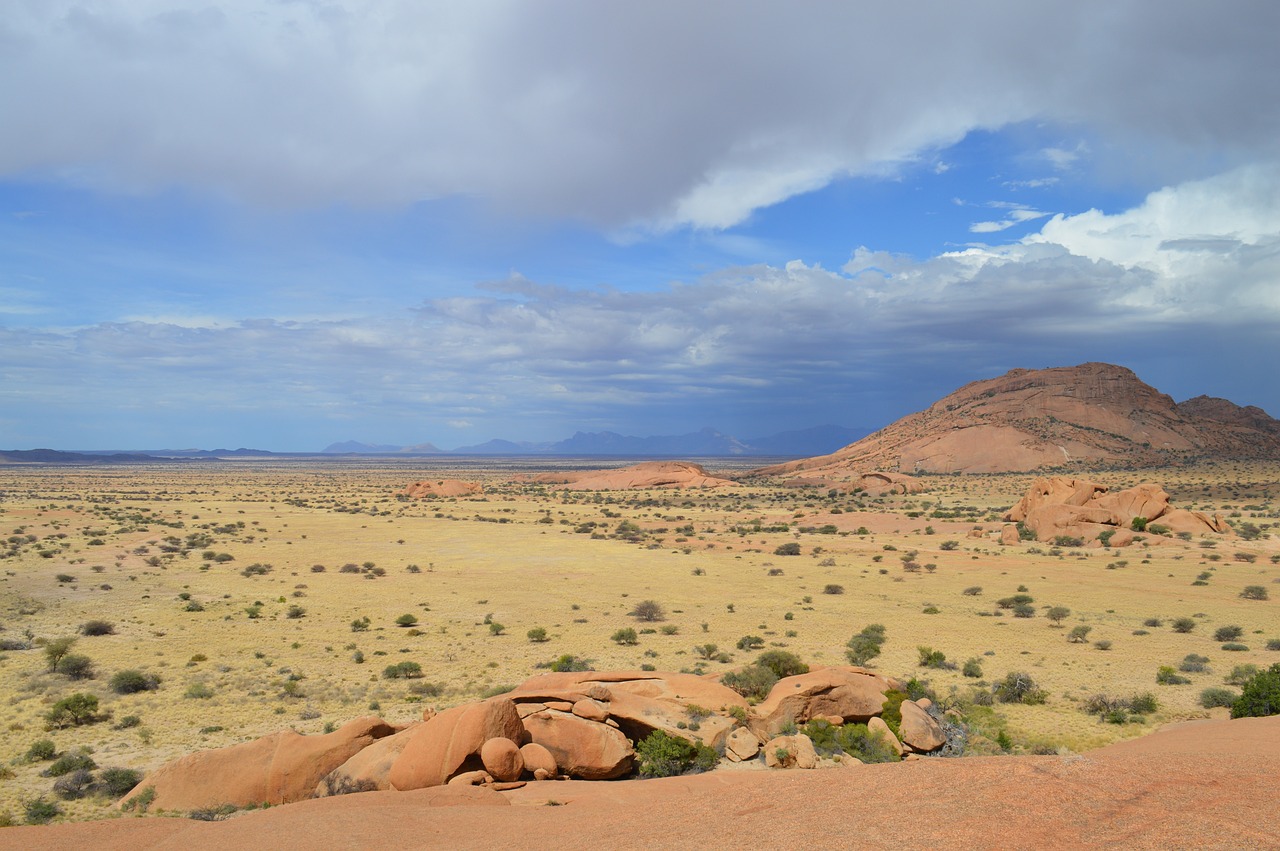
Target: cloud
1017, 215
619, 115
1181, 285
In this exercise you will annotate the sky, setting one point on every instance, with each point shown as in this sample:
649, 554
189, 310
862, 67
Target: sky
285, 223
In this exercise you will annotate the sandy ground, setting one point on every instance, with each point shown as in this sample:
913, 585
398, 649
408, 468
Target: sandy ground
1209, 784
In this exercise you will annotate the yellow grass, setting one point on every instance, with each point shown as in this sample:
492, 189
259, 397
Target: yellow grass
523, 573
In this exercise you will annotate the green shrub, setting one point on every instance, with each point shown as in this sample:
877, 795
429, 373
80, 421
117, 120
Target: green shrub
663, 755
41, 811
930, 658
750, 642
1017, 687
833, 589
97, 627
972, 591
626, 636
402, 670
1227, 633
865, 645
1235, 646
68, 763
1260, 695
118, 782
972, 668
407, 620
648, 611
782, 663
1215, 696
568, 662
1255, 592
858, 741
1183, 625
788, 549
1193, 663
752, 682
198, 691
76, 666
131, 681
55, 649
1143, 704
1079, 634
41, 751
73, 785
891, 709
537, 635
1167, 676
1138, 524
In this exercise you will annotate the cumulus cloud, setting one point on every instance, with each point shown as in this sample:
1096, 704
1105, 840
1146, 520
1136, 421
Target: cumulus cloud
790, 344
635, 114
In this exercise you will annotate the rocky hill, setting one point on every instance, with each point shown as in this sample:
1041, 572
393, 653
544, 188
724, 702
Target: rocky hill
1087, 415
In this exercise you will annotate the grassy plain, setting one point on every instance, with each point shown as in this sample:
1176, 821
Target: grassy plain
162, 553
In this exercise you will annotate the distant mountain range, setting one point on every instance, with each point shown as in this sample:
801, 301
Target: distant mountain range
706, 443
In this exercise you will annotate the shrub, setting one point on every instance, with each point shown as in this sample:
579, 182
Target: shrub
1260, 695
73, 711
55, 649
782, 663
1104, 644
97, 627
930, 658
750, 642
1193, 663
294, 612
788, 549
131, 681
626, 636
73, 785
1227, 633
1024, 610
1255, 592
1167, 676
568, 662
1216, 696
1235, 646
537, 635
1017, 687
648, 611
1079, 634
198, 691
865, 645
42, 750
972, 591
77, 666
1138, 524
41, 811
833, 589
402, 670
118, 782
1057, 614
752, 682
1183, 625
361, 624
972, 668
68, 763
407, 620
663, 755
496, 628
949, 545
1153, 622
1273, 643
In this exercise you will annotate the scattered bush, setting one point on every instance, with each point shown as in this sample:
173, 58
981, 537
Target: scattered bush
73, 711
73, 785
972, 668
537, 635
1183, 625
402, 671
865, 645
68, 763
930, 658
41, 811
199, 691
788, 549
750, 642
1017, 687
76, 666
131, 681
752, 682
625, 636
1255, 592
1227, 633
1167, 676
663, 755
42, 750
782, 663
294, 612
1079, 634
1215, 696
496, 628
97, 627
407, 620
833, 589
972, 591
1193, 663
568, 662
1235, 647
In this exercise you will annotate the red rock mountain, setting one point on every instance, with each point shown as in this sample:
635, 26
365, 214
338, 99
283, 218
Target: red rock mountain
1091, 414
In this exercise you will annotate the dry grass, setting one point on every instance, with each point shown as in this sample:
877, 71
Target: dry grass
490, 557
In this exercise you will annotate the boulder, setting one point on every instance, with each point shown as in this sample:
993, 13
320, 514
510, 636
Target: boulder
1195, 522
367, 770
876, 726
790, 752
502, 759
1009, 535
584, 749
919, 730
592, 710
470, 778
444, 745
741, 745
538, 758
442, 488
277, 769
849, 693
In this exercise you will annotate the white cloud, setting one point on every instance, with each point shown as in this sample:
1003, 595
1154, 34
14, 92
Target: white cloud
1017, 215
637, 114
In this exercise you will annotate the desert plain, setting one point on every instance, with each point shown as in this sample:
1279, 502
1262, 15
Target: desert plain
271, 594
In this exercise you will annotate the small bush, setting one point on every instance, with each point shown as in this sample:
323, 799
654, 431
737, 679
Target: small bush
930, 658
626, 637
865, 645
788, 549
648, 611
833, 589
118, 782
496, 628
41, 811
42, 750
1167, 676
402, 670
1215, 697
568, 662
97, 627
663, 755
537, 635
294, 612
750, 642
1235, 647
68, 763
73, 711
972, 668
1255, 592
407, 620
972, 591
198, 691
1193, 663
1079, 634
1227, 633
752, 682
782, 663
130, 681
1017, 687
73, 785
1183, 625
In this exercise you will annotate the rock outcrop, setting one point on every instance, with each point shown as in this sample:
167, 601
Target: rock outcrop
1078, 508
649, 474
1035, 419
449, 743
846, 694
442, 488
277, 769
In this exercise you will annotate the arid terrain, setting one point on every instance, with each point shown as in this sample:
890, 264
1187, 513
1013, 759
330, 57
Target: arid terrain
244, 587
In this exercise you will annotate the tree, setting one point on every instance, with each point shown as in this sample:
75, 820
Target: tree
406, 620
865, 645
782, 663
648, 611
74, 710
537, 635
55, 649
1018, 687
1255, 592
1058, 614
1079, 634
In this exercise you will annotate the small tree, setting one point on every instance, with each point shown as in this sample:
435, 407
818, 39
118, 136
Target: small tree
407, 620
496, 628
1183, 625
626, 636
77, 666
1058, 614
1079, 634
74, 710
788, 549
1255, 592
1017, 687
537, 635
1260, 695
55, 649
648, 611
865, 645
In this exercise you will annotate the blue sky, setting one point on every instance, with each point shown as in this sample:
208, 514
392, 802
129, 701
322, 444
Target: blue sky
283, 224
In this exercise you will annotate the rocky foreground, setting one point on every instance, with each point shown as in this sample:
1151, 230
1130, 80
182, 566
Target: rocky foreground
1207, 784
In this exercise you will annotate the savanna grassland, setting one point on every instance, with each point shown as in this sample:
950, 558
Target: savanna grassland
256, 595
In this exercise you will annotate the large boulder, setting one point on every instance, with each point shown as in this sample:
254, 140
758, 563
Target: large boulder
877, 727
790, 752
502, 759
849, 693
741, 745
538, 758
369, 769
449, 743
277, 769
919, 731
587, 750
